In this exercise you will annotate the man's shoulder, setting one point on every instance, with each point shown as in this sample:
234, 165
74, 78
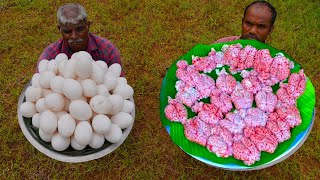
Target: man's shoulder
227, 39
52, 50
101, 41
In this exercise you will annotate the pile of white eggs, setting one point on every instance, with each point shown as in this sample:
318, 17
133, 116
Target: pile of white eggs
78, 102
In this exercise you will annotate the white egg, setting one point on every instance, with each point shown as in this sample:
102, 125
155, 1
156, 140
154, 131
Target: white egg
36, 120
45, 92
114, 70
53, 66
80, 110
103, 65
28, 109
83, 66
32, 93
54, 101
110, 82
56, 84
43, 65
127, 107
97, 73
122, 119
61, 57
124, 90
69, 69
66, 125
60, 113
74, 55
100, 104
75, 145
97, 140
48, 122
114, 135
36, 80
60, 143
89, 88
83, 133
41, 105
61, 66
45, 78
101, 124
72, 89
116, 103
103, 90
121, 80
45, 136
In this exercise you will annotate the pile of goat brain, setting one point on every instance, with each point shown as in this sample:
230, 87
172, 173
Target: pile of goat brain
243, 117
79, 102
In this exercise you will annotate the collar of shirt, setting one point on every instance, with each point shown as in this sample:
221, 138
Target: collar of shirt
92, 46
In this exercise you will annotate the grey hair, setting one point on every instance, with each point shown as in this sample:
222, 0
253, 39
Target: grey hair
71, 13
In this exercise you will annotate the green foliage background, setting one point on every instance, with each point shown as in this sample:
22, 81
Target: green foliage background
150, 35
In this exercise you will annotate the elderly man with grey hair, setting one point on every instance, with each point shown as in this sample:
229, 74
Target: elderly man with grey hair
74, 27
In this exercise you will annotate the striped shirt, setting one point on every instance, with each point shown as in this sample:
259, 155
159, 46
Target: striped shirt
99, 48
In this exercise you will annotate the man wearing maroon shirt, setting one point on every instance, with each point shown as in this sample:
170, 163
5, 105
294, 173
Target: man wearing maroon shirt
257, 22
74, 28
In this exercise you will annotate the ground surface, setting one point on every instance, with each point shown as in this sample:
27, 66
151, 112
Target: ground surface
150, 36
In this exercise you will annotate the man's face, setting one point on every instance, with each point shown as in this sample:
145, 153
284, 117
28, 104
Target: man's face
256, 24
75, 35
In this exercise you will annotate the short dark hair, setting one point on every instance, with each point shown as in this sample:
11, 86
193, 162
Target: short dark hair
272, 9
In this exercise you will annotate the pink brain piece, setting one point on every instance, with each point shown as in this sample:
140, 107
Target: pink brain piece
218, 146
280, 67
205, 85
267, 79
182, 64
204, 64
218, 58
275, 124
221, 100
186, 73
175, 111
197, 131
210, 114
255, 117
284, 99
226, 82
188, 97
262, 61
182, 85
241, 98
246, 57
252, 84
291, 115
233, 123
245, 150
282, 133
231, 55
296, 84
266, 101
264, 139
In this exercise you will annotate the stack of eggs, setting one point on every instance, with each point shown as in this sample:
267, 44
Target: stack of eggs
78, 102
